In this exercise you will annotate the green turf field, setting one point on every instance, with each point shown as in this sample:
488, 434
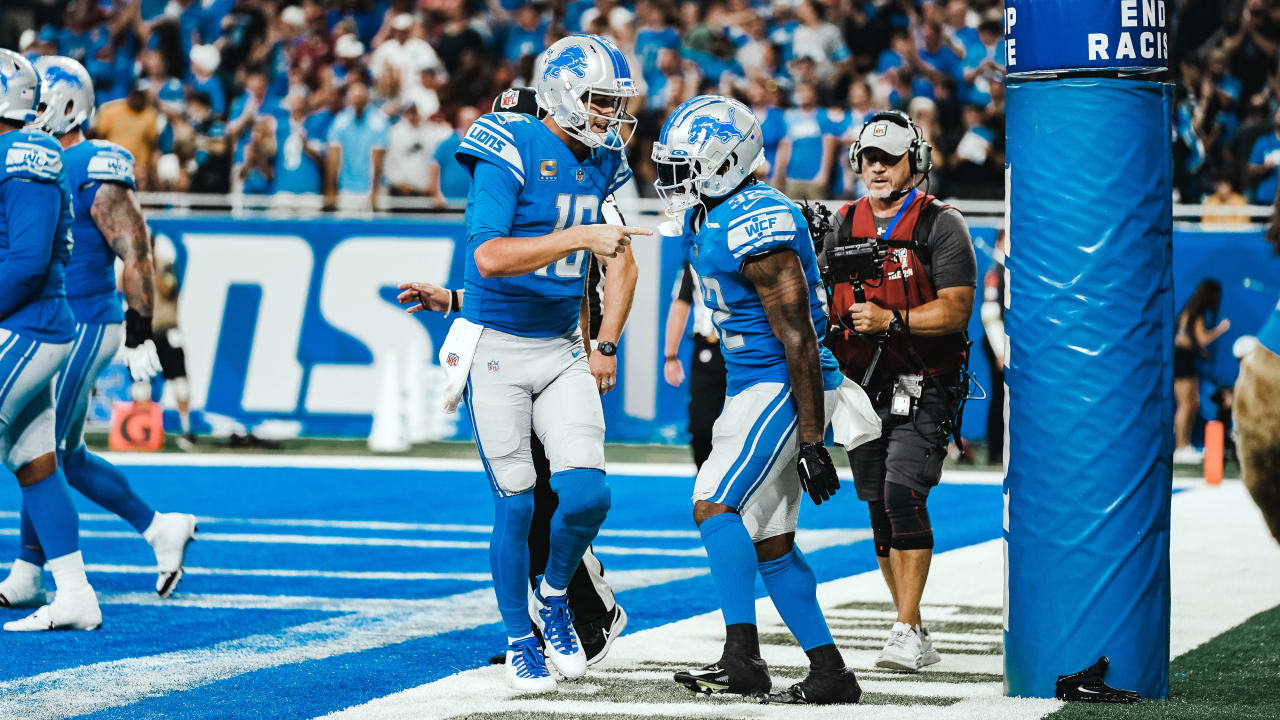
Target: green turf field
1232, 677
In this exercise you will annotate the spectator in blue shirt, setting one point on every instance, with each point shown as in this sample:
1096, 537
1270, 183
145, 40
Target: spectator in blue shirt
806, 152
654, 35
255, 161
201, 79
527, 36
984, 65
455, 181
959, 29
937, 57
764, 104
1263, 164
300, 145
357, 147
901, 47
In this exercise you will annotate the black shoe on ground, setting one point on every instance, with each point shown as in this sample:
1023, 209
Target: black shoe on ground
738, 674
597, 636
821, 688
1087, 686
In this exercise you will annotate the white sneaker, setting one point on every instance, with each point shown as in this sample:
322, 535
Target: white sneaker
554, 620
168, 535
1188, 455
902, 651
527, 668
24, 588
70, 610
928, 656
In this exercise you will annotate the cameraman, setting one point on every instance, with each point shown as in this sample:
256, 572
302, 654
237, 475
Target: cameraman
901, 271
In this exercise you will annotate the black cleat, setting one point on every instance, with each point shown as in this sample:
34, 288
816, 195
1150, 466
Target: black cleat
821, 688
597, 636
1087, 686
737, 674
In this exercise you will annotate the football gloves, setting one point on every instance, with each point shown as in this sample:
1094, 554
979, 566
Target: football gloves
139, 349
817, 472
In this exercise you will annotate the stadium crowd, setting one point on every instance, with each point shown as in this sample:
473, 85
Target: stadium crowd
350, 96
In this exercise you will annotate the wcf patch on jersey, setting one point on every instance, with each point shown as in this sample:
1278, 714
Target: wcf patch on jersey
32, 159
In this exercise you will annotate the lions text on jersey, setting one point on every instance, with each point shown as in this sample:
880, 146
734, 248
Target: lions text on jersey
527, 183
91, 276
756, 221
33, 262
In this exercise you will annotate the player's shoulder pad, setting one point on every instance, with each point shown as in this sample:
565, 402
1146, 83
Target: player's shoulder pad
110, 163
759, 219
31, 155
498, 138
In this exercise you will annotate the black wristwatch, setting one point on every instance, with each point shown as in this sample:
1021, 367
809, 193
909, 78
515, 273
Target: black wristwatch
896, 326
607, 348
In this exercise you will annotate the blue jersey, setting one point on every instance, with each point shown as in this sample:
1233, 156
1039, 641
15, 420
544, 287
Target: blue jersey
91, 275
526, 182
756, 221
35, 237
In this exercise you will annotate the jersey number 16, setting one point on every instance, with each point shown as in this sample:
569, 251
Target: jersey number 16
574, 210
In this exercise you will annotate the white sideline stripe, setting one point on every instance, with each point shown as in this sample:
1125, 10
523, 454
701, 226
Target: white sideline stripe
367, 462
1212, 593
287, 573
808, 539
365, 624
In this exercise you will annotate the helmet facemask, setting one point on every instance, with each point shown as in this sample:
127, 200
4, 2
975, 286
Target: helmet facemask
680, 178
583, 125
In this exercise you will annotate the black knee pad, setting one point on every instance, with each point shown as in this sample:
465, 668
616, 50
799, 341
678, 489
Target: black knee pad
881, 528
909, 517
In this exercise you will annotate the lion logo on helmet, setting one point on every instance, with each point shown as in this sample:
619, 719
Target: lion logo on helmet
54, 75
707, 127
572, 59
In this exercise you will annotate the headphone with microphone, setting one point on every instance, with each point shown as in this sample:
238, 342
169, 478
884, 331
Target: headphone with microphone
919, 151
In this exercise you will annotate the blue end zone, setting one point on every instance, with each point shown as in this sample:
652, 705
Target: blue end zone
649, 530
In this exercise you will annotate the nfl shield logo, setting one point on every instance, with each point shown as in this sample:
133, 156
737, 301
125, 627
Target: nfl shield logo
452, 360
509, 99
582, 175
493, 366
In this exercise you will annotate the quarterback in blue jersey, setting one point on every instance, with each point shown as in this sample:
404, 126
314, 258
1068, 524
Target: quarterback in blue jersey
750, 245
108, 224
36, 333
536, 190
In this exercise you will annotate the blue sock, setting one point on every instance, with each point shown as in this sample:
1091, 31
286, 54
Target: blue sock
732, 557
584, 502
794, 591
52, 515
29, 545
509, 560
103, 483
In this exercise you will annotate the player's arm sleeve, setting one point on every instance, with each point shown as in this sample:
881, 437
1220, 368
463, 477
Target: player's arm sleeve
114, 165
762, 231
32, 210
491, 202
621, 176
684, 286
954, 263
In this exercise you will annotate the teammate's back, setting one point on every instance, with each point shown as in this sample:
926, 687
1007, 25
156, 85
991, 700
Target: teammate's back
35, 237
755, 221
91, 277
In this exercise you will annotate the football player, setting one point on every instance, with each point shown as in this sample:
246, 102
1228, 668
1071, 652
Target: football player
536, 190
597, 616
750, 245
36, 334
108, 224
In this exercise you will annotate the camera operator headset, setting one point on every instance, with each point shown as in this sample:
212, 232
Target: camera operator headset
900, 270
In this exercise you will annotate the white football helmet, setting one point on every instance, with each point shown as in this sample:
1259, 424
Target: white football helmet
66, 95
707, 147
19, 88
574, 74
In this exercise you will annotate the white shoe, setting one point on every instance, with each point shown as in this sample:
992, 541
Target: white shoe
70, 610
902, 651
928, 656
24, 588
526, 667
554, 620
168, 535
1188, 455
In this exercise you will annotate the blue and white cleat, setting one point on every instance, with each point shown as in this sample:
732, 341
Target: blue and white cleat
555, 621
527, 669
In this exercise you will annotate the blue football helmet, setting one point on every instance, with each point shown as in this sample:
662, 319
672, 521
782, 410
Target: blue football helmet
707, 147
66, 95
577, 72
19, 88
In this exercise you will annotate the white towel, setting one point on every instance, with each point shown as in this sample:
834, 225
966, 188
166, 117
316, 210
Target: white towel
456, 353
855, 421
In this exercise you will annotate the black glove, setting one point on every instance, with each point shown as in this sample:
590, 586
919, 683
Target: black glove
817, 472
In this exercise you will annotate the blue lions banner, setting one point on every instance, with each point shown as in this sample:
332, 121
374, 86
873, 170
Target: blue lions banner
286, 320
